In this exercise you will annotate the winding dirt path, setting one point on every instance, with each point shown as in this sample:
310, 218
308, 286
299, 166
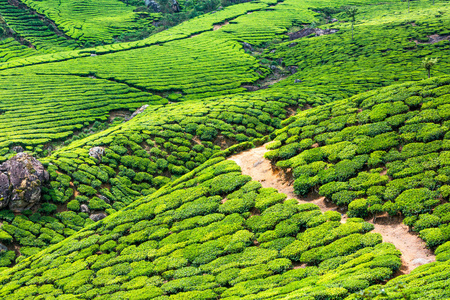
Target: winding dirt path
414, 252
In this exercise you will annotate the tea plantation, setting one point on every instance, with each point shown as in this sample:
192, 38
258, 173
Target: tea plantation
147, 206
381, 151
212, 233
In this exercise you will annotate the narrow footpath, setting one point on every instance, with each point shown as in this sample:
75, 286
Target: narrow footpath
413, 249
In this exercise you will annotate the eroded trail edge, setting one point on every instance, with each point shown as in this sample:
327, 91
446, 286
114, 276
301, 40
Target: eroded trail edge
413, 249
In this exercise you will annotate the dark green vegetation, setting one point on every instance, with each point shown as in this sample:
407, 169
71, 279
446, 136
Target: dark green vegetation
140, 157
381, 151
211, 233
184, 224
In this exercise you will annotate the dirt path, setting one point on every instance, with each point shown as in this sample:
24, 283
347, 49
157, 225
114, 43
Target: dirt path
414, 253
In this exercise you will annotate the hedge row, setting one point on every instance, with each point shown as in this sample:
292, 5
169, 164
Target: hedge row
181, 243
383, 151
33, 30
140, 156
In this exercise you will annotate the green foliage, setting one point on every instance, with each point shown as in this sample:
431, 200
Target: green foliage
175, 243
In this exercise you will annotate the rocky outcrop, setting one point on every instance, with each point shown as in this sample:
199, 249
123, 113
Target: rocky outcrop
21, 178
247, 46
309, 31
138, 111
96, 152
97, 217
153, 5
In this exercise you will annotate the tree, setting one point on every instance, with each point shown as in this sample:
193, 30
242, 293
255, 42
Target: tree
428, 64
351, 12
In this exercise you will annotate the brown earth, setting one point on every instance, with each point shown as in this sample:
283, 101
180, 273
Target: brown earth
218, 26
414, 252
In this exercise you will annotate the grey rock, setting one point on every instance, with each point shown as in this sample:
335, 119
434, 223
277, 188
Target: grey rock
292, 69
175, 6
97, 217
153, 5
3, 247
17, 149
309, 31
104, 199
21, 178
297, 81
84, 208
334, 20
4, 190
247, 46
138, 111
96, 152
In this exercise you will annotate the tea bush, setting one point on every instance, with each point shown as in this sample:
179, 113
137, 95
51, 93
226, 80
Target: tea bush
410, 174
175, 243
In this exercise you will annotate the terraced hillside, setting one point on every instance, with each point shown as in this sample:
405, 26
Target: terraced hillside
217, 64
145, 205
383, 151
213, 233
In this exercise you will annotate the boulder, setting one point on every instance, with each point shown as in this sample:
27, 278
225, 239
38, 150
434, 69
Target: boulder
21, 178
247, 46
97, 217
153, 5
84, 208
17, 149
96, 152
138, 111
104, 199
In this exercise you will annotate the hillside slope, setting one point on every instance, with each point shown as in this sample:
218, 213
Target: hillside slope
211, 233
145, 205
379, 152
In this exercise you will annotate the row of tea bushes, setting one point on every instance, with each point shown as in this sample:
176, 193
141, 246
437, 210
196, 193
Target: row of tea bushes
388, 47
93, 21
38, 109
381, 151
198, 73
140, 156
428, 281
181, 242
10, 49
32, 29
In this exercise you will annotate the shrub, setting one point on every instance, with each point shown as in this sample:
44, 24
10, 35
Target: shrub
98, 204
332, 215
426, 221
416, 201
73, 205
343, 198
358, 208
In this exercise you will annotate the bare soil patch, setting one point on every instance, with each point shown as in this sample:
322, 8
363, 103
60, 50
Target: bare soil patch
119, 114
413, 249
434, 38
218, 26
